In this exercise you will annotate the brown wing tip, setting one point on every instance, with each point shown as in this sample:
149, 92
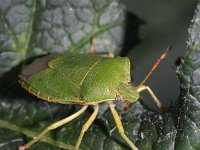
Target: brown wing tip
36, 66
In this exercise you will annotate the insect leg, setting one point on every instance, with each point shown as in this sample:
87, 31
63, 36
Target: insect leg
144, 87
110, 54
86, 126
120, 127
92, 49
54, 126
92, 45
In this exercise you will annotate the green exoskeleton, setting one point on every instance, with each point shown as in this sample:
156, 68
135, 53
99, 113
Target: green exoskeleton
86, 80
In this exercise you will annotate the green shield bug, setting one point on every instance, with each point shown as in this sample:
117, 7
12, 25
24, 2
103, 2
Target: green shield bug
86, 80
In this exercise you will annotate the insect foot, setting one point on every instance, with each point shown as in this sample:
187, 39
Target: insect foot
164, 108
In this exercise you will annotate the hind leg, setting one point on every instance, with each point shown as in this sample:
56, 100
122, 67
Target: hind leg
53, 126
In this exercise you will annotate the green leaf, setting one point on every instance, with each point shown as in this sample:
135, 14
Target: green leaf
32, 28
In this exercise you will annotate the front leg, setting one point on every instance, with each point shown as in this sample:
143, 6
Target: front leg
144, 87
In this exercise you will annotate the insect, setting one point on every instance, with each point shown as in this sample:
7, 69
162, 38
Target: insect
86, 80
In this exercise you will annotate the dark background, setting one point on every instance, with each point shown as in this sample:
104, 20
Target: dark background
166, 23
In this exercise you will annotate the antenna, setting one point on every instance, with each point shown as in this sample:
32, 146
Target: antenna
156, 64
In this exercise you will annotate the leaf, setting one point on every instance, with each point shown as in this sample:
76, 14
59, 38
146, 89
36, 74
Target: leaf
179, 128
29, 29
33, 28
189, 73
